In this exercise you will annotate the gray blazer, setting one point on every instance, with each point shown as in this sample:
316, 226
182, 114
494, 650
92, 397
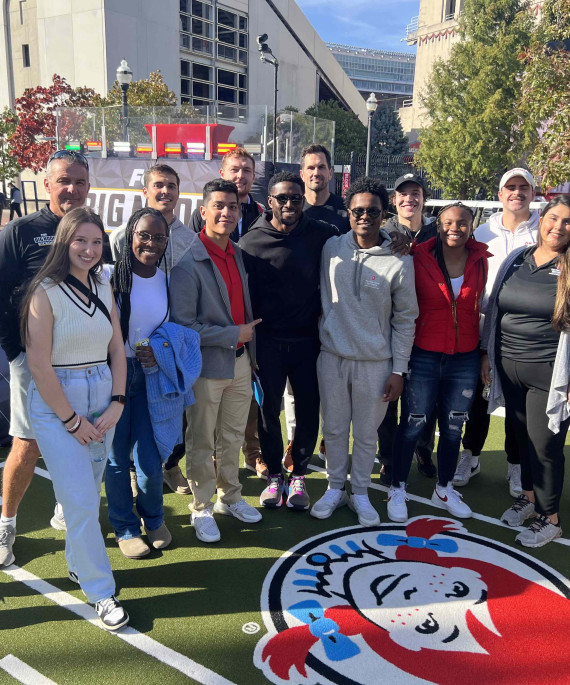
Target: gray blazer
199, 299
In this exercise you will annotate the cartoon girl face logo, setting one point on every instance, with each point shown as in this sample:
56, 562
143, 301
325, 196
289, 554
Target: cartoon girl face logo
430, 601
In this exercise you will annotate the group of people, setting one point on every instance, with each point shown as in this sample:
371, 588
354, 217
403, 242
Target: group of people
313, 299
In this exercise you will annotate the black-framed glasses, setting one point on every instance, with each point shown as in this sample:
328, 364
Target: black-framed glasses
145, 237
359, 212
283, 199
70, 154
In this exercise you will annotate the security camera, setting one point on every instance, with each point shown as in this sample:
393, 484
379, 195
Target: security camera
261, 39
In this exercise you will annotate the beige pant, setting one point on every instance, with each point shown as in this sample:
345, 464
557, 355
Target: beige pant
218, 420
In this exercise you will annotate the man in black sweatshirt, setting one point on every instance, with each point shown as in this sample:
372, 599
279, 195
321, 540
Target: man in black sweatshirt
282, 256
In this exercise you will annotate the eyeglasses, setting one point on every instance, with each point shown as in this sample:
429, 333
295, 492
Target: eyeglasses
284, 199
359, 212
70, 154
145, 237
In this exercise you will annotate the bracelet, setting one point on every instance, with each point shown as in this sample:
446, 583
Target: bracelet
75, 425
71, 417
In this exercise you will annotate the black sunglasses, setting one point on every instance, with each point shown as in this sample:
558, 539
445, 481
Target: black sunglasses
284, 199
70, 154
359, 212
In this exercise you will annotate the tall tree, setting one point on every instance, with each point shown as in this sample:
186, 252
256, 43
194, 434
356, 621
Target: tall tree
147, 92
544, 105
471, 99
387, 133
8, 165
34, 138
350, 133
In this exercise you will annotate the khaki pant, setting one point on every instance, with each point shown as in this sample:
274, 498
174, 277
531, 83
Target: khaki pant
218, 420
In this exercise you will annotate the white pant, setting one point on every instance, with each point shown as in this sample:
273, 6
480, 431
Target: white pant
76, 471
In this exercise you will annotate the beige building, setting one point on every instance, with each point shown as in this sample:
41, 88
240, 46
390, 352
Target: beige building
433, 31
205, 49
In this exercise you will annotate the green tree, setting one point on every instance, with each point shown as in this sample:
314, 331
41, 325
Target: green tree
387, 133
544, 106
471, 99
8, 165
148, 92
350, 133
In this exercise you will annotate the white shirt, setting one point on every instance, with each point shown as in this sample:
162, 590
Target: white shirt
149, 308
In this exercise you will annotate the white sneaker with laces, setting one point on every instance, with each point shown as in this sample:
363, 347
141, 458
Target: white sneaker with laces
367, 515
448, 498
397, 509
332, 500
58, 520
468, 467
205, 525
240, 510
111, 613
514, 480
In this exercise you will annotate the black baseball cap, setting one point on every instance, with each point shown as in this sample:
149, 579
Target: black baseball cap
411, 178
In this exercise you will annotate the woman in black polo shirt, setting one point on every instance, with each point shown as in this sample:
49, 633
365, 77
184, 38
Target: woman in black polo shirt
526, 336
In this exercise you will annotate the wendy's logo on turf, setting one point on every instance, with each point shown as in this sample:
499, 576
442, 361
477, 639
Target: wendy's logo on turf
425, 600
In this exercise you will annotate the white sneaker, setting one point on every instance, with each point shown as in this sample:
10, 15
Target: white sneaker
240, 510
514, 480
58, 520
367, 515
397, 509
448, 498
468, 467
332, 499
205, 526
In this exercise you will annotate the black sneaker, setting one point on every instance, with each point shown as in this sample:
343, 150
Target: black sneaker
111, 613
426, 466
386, 475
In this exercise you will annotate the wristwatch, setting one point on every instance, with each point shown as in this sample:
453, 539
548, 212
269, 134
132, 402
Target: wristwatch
121, 399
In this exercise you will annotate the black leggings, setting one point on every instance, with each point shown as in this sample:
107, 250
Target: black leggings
525, 387
477, 428
387, 434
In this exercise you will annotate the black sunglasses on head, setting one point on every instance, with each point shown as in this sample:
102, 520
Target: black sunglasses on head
282, 199
70, 154
359, 212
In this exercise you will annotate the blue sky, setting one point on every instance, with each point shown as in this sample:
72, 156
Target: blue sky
379, 24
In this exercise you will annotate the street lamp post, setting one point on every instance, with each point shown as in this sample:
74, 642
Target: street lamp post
267, 56
371, 105
124, 77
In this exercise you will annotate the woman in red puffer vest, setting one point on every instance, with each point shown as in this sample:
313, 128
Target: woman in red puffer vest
451, 271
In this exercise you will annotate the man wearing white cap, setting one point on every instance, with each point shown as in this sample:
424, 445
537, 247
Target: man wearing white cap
516, 226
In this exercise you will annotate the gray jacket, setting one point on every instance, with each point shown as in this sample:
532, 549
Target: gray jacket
369, 302
557, 407
180, 238
199, 299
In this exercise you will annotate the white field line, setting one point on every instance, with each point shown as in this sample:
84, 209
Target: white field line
22, 672
129, 635
428, 503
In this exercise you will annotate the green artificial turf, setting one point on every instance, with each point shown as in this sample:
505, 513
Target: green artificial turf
195, 598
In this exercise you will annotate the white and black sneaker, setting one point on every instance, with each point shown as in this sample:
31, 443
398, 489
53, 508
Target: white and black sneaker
520, 510
111, 613
468, 467
540, 532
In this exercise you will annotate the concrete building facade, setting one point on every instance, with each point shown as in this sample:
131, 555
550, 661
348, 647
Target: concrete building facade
389, 75
205, 49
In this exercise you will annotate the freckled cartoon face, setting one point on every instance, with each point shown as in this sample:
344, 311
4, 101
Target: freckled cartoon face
413, 602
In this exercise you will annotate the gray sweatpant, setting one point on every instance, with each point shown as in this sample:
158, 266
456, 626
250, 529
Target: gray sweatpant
351, 391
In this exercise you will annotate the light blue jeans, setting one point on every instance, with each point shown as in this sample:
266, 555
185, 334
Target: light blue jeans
77, 471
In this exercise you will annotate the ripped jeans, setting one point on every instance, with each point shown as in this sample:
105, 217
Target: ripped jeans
448, 381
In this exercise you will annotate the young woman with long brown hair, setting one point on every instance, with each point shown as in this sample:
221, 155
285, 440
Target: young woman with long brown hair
527, 338
70, 328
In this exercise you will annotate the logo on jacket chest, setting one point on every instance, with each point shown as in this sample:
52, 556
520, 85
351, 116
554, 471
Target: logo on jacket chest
372, 282
44, 240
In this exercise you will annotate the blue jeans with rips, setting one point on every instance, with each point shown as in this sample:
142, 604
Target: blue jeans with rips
448, 381
134, 432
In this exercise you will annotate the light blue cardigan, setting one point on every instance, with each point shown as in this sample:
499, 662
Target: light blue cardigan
557, 407
169, 383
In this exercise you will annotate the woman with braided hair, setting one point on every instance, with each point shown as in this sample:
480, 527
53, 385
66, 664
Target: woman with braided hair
141, 293
450, 272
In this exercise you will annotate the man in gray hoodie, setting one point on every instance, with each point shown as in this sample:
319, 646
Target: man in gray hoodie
367, 332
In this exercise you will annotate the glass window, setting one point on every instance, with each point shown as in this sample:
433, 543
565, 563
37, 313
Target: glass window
184, 67
225, 52
243, 57
185, 6
243, 23
227, 36
185, 101
185, 41
185, 87
202, 72
227, 78
243, 81
227, 18
243, 40
200, 103
184, 23
201, 90
200, 45
201, 28
242, 97
227, 94
201, 9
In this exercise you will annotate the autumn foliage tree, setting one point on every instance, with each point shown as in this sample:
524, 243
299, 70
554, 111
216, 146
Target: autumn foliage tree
8, 165
31, 144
